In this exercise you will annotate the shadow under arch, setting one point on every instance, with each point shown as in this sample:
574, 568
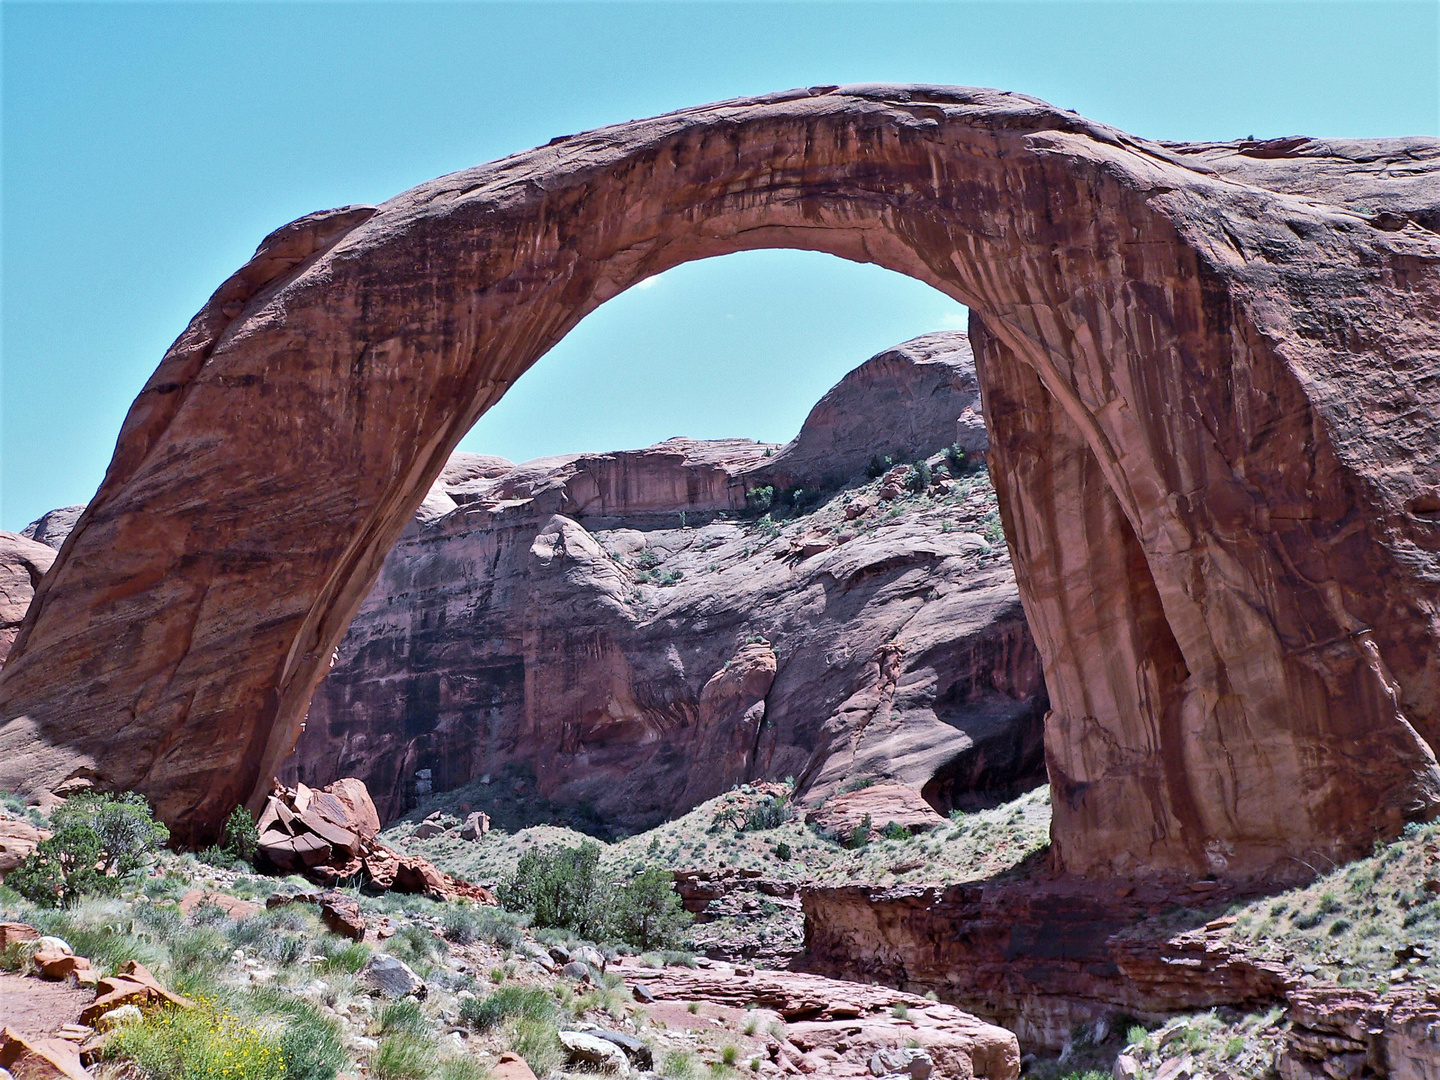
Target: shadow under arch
1171, 479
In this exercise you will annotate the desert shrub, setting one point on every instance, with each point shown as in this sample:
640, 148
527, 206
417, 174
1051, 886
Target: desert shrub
859, 836
414, 944
856, 785
404, 1055
465, 924
311, 1042
561, 888
879, 466
895, 831
538, 1042
346, 956
463, 1067
783, 851
917, 479
769, 813
203, 1043
647, 913
403, 1015
98, 841
239, 840
508, 1003
679, 1065
760, 499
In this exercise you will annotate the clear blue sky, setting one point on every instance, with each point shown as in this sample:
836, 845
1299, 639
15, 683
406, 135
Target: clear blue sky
148, 148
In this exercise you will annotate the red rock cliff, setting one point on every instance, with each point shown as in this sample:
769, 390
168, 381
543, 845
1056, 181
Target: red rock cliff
558, 615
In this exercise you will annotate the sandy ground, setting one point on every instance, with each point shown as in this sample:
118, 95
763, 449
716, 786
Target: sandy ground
36, 1008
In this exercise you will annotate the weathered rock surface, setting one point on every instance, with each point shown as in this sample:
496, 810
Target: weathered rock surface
22, 564
1208, 392
837, 1027
1359, 1034
872, 809
1038, 957
592, 620
329, 836
53, 527
920, 395
17, 840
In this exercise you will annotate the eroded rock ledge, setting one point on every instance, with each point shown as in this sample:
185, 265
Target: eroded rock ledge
1037, 957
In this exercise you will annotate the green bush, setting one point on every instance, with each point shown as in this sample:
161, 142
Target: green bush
760, 499
239, 841
462, 1068
563, 889
783, 851
769, 813
647, 912
895, 831
311, 1043
98, 841
507, 1003
204, 1043
404, 1055
879, 466
560, 887
403, 1015
860, 835
538, 1042
918, 478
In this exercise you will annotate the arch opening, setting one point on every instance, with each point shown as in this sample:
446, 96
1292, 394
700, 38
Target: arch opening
1129, 383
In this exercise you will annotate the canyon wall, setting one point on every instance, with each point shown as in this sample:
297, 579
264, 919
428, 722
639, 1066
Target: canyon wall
622, 627
1210, 391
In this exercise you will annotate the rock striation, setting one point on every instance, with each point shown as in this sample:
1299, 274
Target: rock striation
623, 628
1209, 396
1360, 1034
23, 563
834, 1028
1039, 957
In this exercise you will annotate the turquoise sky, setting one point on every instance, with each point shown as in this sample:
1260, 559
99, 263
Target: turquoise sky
148, 148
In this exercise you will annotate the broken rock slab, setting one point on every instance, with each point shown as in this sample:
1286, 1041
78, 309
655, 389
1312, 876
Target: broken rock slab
40, 1059
132, 985
594, 1054
391, 978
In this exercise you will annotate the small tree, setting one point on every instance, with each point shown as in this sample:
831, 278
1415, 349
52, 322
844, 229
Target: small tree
648, 913
98, 841
560, 887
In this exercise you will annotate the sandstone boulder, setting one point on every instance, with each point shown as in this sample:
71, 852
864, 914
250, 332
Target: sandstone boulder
875, 808
511, 1067
391, 977
594, 1054
476, 826
52, 527
851, 1023
40, 1059
131, 985
328, 835
17, 840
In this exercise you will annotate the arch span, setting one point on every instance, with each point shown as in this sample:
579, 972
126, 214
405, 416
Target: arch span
1212, 479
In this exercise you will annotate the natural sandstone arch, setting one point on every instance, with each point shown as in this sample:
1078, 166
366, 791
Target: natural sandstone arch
1219, 487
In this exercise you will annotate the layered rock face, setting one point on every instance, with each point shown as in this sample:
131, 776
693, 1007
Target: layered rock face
1209, 398
1038, 957
596, 620
23, 563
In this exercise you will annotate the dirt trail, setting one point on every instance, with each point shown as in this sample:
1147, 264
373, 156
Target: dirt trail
35, 1008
